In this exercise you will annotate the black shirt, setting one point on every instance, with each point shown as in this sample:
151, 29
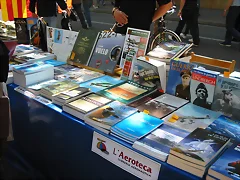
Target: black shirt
140, 13
183, 93
190, 4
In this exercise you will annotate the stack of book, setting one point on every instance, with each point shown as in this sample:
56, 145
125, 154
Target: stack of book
22, 49
33, 57
107, 116
196, 152
135, 127
32, 73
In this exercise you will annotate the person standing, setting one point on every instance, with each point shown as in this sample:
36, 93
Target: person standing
189, 12
48, 10
86, 6
232, 11
77, 5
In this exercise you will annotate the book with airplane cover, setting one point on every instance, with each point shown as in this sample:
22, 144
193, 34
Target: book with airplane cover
227, 165
70, 95
147, 72
135, 45
160, 141
190, 117
33, 57
109, 115
162, 106
22, 32
58, 87
101, 83
84, 45
226, 126
202, 88
136, 126
107, 51
87, 103
35, 89
179, 78
126, 92
200, 147
227, 97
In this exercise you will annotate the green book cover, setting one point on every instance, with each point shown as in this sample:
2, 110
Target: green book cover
84, 46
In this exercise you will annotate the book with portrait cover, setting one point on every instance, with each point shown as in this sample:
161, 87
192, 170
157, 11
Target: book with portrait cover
22, 30
126, 92
202, 87
109, 115
160, 141
200, 147
227, 165
227, 97
190, 117
179, 78
101, 83
83, 47
107, 51
226, 126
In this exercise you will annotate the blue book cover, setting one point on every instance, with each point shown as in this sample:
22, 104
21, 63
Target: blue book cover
162, 139
228, 164
200, 147
190, 117
226, 126
101, 83
110, 114
136, 126
179, 78
31, 67
54, 62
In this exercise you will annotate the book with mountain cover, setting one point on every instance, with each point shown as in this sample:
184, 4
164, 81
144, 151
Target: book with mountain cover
110, 114
35, 89
160, 141
200, 147
107, 51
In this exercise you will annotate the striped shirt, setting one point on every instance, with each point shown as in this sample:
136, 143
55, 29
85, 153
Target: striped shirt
236, 3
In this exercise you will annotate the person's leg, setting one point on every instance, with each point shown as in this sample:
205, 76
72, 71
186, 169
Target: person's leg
86, 5
78, 9
181, 23
192, 22
187, 30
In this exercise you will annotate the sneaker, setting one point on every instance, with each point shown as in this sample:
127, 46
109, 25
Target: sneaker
95, 7
190, 40
184, 36
225, 44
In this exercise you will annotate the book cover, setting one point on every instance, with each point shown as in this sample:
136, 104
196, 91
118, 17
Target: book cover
88, 103
110, 114
54, 62
135, 45
107, 51
179, 78
24, 49
160, 141
202, 89
83, 46
32, 57
227, 165
200, 146
227, 97
136, 126
190, 117
162, 105
227, 127
101, 83
21, 30
39, 86
70, 94
125, 92
32, 28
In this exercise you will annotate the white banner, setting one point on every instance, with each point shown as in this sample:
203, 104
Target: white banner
125, 158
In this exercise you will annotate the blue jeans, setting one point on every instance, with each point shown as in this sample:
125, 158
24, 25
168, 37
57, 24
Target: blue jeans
51, 21
86, 6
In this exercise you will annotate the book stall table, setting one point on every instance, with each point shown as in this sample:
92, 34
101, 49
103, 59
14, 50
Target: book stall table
59, 145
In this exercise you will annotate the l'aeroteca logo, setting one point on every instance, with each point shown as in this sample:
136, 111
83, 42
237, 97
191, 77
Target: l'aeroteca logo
101, 146
85, 39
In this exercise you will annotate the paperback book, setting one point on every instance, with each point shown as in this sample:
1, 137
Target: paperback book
35, 89
101, 83
160, 141
32, 28
109, 115
80, 107
200, 147
33, 57
203, 85
190, 117
227, 97
179, 78
107, 51
54, 62
136, 126
22, 32
83, 47
24, 49
227, 165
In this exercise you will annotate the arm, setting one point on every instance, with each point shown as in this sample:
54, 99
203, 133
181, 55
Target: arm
230, 2
62, 4
182, 3
118, 15
162, 11
32, 6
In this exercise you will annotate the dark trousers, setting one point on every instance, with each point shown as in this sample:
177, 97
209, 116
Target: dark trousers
2, 148
78, 9
190, 18
233, 14
87, 4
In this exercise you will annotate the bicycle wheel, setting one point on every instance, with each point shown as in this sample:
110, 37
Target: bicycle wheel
165, 36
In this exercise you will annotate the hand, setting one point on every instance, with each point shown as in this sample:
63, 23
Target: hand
120, 17
68, 11
179, 13
224, 13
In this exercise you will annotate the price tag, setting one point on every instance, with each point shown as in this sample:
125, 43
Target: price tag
226, 74
146, 111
